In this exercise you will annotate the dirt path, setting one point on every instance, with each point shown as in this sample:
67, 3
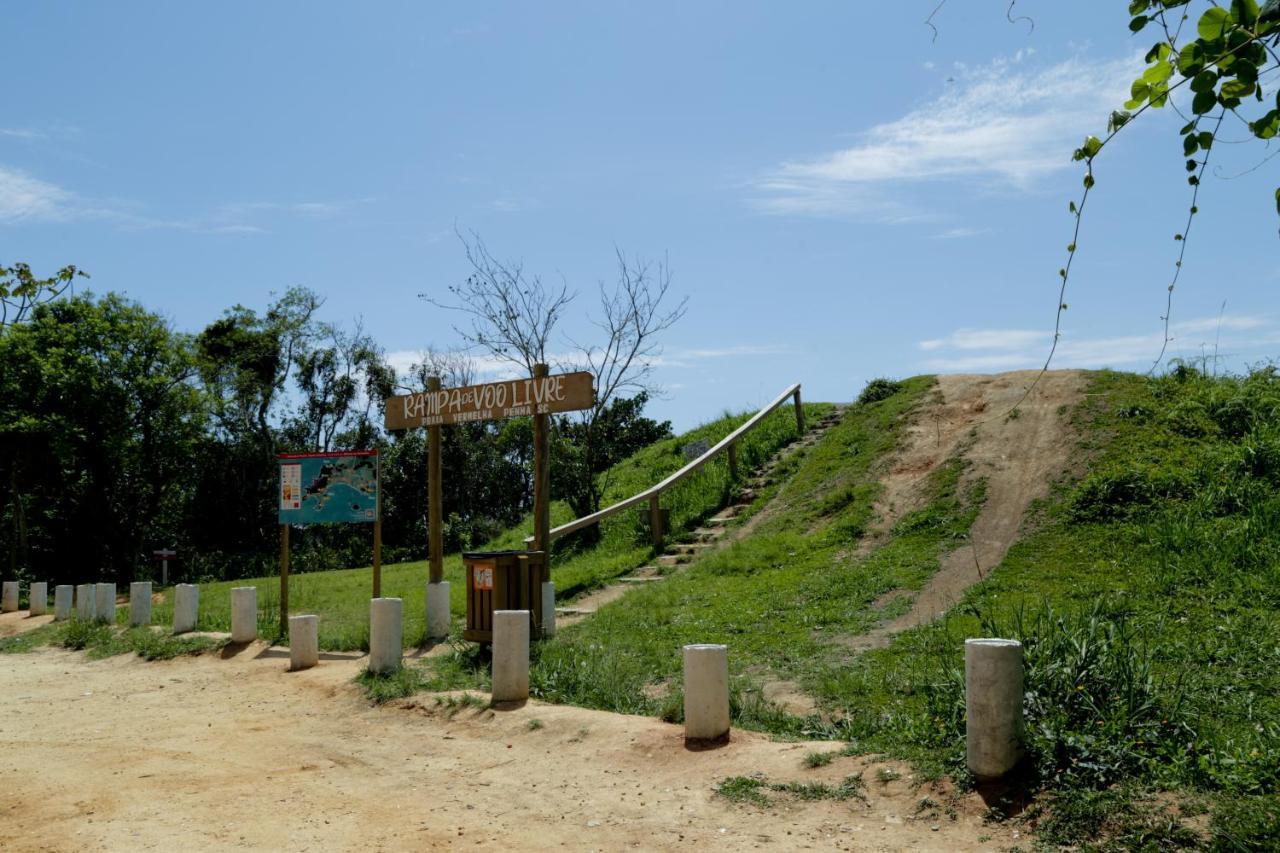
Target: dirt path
20, 622
236, 754
1019, 456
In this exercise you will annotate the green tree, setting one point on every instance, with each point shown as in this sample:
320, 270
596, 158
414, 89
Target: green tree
99, 419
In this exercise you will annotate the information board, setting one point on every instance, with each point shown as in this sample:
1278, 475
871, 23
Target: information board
329, 488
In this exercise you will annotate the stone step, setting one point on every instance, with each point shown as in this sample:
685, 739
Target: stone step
702, 534
573, 612
691, 548
673, 559
640, 579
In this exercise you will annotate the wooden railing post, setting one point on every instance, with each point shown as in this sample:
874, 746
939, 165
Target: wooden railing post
655, 521
733, 462
799, 413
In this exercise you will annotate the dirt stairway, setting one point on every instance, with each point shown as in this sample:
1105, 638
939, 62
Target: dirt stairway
677, 555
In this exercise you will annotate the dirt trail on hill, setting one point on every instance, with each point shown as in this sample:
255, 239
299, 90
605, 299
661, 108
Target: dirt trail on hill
1020, 457
233, 753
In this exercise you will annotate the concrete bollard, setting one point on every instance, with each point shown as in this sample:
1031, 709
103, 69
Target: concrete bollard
438, 610
9, 597
63, 596
993, 706
510, 655
140, 603
85, 603
38, 596
548, 609
304, 642
105, 608
386, 634
706, 692
186, 607
244, 614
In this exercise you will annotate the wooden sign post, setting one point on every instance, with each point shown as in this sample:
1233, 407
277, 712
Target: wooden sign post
435, 491
539, 396
164, 555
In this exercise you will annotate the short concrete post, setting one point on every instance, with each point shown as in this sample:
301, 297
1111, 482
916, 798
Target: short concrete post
438, 610
548, 609
706, 692
105, 608
510, 655
86, 605
140, 603
186, 607
993, 706
304, 642
39, 598
386, 634
9, 597
63, 596
244, 614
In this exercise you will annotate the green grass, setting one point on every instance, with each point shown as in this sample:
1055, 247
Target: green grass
751, 789
100, 640
1146, 599
781, 598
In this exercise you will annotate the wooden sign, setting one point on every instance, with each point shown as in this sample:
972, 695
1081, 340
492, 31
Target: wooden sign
514, 398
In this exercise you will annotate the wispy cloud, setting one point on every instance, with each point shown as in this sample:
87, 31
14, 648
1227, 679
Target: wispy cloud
960, 233
1007, 349
1007, 123
28, 199
24, 133
24, 198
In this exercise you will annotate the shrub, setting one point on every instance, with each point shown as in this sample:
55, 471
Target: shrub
879, 389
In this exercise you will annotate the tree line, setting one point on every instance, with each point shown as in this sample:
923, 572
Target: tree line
120, 435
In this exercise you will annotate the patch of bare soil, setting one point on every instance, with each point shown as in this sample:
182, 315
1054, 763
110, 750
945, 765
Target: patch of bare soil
1019, 455
211, 754
20, 622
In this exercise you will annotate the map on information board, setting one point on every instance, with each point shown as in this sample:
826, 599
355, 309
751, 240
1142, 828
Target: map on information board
328, 488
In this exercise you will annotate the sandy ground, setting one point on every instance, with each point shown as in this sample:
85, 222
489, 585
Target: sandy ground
1020, 457
231, 752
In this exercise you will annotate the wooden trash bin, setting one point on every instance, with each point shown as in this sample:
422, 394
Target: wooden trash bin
503, 580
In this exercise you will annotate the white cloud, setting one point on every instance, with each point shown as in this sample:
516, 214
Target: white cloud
26, 199
1006, 349
22, 133
960, 233
1006, 123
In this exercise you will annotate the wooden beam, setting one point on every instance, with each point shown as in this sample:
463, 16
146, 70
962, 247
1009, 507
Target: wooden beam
284, 580
799, 413
435, 496
541, 474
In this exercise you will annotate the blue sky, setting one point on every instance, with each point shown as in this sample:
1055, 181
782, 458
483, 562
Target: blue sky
839, 195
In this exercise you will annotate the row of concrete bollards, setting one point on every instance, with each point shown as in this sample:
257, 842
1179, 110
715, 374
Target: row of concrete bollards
992, 672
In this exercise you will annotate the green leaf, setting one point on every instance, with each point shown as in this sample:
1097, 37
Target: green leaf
1190, 59
1204, 81
1137, 6
1203, 102
1244, 12
1267, 126
1138, 23
1190, 145
1237, 89
1214, 23
1277, 199
1205, 138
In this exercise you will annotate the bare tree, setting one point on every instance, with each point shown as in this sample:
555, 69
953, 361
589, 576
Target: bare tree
454, 367
632, 317
512, 316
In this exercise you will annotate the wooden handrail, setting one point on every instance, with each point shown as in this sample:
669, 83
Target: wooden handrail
651, 494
